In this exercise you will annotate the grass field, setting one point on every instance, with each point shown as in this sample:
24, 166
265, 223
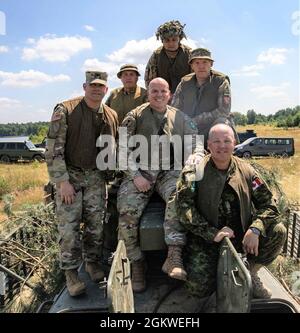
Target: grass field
25, 181
288, 169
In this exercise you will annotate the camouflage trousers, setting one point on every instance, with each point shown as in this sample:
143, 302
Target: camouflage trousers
89, 208
201, 259
131, 204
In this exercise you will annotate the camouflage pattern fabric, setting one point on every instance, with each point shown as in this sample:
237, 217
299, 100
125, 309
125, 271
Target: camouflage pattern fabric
89, 208
131, 204
201, 252
55, 152
170, 29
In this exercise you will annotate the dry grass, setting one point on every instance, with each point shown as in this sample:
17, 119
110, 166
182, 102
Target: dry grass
288, 169
25, 182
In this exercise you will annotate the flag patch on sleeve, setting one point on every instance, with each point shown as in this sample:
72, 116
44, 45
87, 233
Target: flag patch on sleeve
256, 183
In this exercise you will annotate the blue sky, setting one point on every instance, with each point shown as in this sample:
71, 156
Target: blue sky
46, 46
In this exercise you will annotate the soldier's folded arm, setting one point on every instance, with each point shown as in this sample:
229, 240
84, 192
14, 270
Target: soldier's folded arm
178, 98
266, 211
188, 214
223, 109
55, 149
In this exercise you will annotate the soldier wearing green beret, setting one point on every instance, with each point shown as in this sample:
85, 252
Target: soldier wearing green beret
169, 61
130, 96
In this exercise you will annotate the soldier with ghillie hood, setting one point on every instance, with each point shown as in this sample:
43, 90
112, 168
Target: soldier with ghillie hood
171, 60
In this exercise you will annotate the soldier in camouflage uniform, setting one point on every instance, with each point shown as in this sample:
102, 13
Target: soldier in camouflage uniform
81, 189
153, 118
224, 196
169, 61
130, 96
205, 94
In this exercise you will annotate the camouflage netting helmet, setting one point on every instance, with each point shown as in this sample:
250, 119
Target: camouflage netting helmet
170, 29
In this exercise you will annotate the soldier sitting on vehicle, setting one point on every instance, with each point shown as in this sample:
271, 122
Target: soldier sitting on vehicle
216, 198
81, 188
170, 61
159, 119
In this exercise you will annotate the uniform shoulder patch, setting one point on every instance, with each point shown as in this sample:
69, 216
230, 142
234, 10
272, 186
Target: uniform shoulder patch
256, 183
57, 115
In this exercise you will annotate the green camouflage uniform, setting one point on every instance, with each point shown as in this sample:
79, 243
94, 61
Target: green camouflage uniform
204, 105
201, 251
89, 184
131, 202
123, 102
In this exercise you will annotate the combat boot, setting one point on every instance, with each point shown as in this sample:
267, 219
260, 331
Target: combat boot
75, 286
95, 272
173, 266
259, 290
138, 279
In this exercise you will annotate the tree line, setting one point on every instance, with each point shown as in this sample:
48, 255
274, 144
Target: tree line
289, 117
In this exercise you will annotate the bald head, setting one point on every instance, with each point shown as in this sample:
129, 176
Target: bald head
158, 94
221, 128
158, 80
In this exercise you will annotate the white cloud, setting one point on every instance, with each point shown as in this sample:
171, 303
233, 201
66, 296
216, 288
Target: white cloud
55, 49
9, 104
3, 49
89, 28
264, 92
30, 78
273, 56
134, 51
252, 70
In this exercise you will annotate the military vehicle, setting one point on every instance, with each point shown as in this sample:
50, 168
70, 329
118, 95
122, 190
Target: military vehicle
13, 149
243, 136
165, 295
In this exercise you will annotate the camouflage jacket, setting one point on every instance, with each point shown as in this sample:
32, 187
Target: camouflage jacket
172, 71
142, 121
199, 192
57, 138
204, 103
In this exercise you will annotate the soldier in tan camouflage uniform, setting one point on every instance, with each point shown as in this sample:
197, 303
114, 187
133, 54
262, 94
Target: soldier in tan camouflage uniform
205, 94
229, 198
130, 96
169, 61
153, 118
81, 189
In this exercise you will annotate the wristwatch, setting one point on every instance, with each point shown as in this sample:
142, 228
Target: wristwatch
255, 231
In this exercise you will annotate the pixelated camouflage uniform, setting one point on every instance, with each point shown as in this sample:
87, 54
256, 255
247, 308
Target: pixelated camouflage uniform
123, 102
239, 199
131, 202
207, 104
71, 156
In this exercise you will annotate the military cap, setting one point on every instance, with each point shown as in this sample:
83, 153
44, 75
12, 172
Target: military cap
200, 53
170, 29
128, 67
96, 77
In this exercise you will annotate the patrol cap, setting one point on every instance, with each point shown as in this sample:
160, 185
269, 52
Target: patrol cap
200, 53
128, 67
96, 77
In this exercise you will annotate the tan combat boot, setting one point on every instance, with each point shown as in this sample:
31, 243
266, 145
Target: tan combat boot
258, 288
75, 286
138, 279
173, 265
95, 272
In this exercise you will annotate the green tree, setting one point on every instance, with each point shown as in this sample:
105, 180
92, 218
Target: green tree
251, 116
